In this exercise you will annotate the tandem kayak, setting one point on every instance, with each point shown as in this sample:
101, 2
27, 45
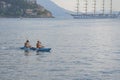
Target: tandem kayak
36, 49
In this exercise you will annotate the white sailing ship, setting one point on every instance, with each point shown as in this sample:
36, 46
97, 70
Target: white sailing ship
94, 15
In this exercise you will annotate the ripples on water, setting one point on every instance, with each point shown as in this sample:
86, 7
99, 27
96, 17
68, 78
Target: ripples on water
81, 49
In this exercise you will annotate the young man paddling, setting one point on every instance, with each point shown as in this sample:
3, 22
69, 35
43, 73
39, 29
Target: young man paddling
39, 45
27, 44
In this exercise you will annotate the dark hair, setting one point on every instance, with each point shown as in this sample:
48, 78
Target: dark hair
27, 41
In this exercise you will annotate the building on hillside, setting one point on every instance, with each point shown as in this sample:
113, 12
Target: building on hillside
32, 1
4, 4
40, 8
30, 12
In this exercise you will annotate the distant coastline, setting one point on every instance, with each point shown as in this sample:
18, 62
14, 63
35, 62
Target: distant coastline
23, 8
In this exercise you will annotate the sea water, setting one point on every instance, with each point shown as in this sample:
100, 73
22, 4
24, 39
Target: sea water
82, 49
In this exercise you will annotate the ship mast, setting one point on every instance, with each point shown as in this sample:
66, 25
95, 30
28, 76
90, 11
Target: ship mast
94, 6
86, 6
77, 7
103, 7
110, 7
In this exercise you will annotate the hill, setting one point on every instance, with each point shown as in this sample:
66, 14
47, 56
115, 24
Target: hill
57, 11
23, 8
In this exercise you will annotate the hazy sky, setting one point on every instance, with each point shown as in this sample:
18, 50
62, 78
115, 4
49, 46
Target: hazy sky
71, 4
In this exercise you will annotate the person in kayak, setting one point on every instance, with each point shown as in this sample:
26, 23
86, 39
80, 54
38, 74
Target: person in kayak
39, 45
27, 44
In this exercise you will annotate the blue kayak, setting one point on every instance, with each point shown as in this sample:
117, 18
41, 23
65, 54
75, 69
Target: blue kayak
36, 49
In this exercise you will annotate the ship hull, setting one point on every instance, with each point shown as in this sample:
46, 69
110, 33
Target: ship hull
96, 16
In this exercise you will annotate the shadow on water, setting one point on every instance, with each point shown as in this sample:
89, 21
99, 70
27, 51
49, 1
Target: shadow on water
26, 52
42, 54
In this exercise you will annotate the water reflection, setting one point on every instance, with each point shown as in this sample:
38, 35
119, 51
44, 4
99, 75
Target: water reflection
43, 56
27, 53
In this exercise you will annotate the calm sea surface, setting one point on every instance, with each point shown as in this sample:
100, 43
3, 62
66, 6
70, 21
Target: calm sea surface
81, 49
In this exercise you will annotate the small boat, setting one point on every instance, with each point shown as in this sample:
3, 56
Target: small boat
36, 49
